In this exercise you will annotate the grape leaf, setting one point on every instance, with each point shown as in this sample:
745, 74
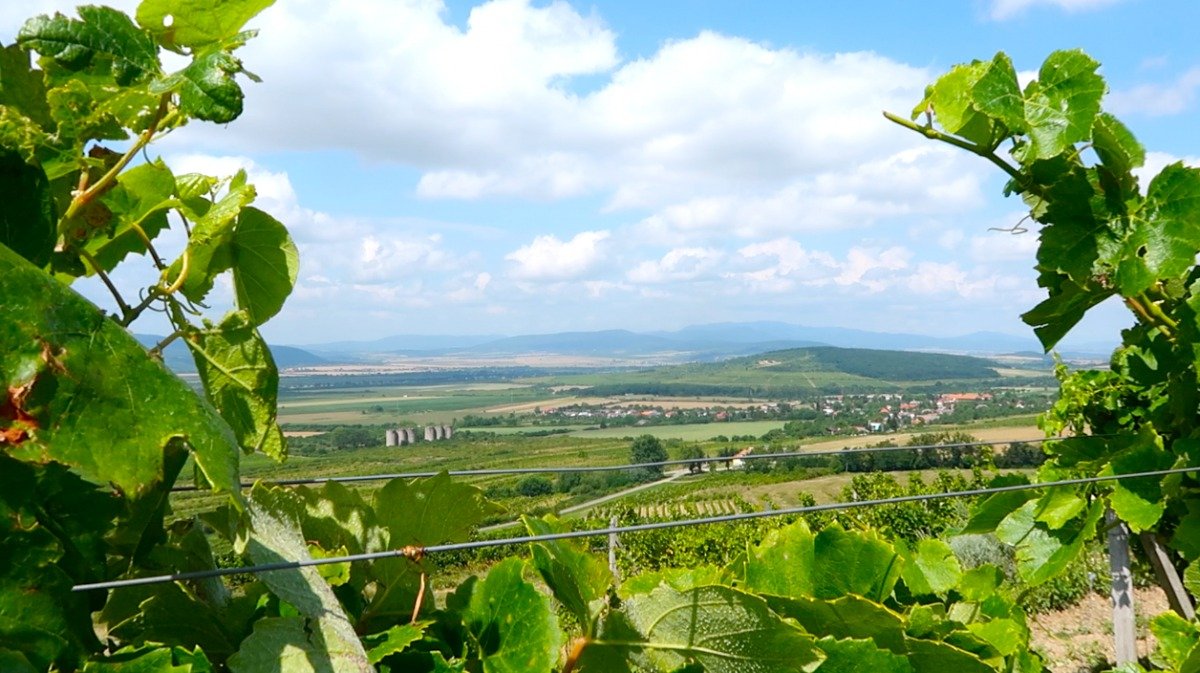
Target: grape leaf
854, 563
393, 640
151, 659
1165, 240
1139, 502
512, 624
61, 354
28, 221
1058, 506
297, 645
998, 94
196, 23
430, 511
721, 628
681, 579
784, 563
206, 87
1119, 151
575, 577
207, 251
931, 656
22, 88
274, 536
1176, 638
1062, 104
852, 656
1043, 553
265, 264
930, 568
241, 380
139, 200
846, 617
100, 34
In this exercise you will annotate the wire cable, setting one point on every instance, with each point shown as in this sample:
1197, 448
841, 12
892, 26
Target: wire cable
413, 552
304, 481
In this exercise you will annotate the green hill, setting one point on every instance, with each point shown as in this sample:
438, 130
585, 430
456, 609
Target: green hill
799, 370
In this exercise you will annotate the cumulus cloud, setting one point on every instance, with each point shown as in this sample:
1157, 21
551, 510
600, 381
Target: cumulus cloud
1157, 100
680, 264
1007, 9
547, 258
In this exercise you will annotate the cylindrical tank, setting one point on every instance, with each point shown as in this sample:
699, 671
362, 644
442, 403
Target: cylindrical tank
437, 432
429, 435
447, 431
410, 435
391, 438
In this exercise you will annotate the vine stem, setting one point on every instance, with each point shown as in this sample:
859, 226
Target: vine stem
979, 150
1143, 313
126, 312
158, 348
100, 185
136, 311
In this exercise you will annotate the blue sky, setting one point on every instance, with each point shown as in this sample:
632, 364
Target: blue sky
519, 166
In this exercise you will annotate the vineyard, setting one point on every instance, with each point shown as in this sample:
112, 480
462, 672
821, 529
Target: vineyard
100, 571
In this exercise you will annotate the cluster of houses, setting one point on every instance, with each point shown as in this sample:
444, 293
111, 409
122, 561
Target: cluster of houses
406, 436
896, 412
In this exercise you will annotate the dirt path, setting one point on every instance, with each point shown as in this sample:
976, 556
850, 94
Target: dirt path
1079, 639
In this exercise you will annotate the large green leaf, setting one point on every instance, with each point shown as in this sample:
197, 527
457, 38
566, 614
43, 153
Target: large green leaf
1043, 553
394, 640
845, 617
274, 536
1165, 240
338, 516
986, 514
512, 624
1119, 151
576, 578
681, 579
998, 94
953, 104
241, 380
196, 23
784, 563
853, 656
60, 361
151, 659
22, 89
40, 617
722, 629
139, 200
1139, 502
265, 264
930, 568
1061, 106
1176, 637
101, 34
859, 563
297, 645
28, 219
931, 656
430, 511
1066, 306
208, 247
207, 88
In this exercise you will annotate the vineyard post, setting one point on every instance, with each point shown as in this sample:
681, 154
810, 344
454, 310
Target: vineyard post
1167, 575
1124, 627
612, 548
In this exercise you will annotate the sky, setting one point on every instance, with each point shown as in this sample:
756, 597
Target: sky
522, 166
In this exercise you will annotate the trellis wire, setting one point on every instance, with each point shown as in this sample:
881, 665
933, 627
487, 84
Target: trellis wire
303, 481
414, 552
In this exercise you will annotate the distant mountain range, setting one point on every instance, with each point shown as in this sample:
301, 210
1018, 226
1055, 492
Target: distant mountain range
695, 343
704, 342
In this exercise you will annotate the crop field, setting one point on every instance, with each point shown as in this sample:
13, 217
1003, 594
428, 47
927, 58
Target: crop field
381, 406
687, 431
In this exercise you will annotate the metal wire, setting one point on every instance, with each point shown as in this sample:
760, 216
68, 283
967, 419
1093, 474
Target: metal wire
303, 481
417, 552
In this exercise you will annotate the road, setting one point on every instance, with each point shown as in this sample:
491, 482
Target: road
670, 476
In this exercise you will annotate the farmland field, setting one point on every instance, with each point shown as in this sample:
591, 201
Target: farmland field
688, 432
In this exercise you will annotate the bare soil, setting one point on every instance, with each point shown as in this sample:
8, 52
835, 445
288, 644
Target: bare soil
1079, 639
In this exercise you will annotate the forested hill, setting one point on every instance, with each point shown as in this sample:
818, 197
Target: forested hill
796, 370
874, 364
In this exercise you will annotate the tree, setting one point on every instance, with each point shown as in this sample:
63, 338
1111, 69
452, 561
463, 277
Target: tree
648, 449
535, 485
692, 452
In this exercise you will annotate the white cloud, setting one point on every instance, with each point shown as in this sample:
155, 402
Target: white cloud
1155, 162
547, 258
862, 262
1158, 99
679, 264
1007, 9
